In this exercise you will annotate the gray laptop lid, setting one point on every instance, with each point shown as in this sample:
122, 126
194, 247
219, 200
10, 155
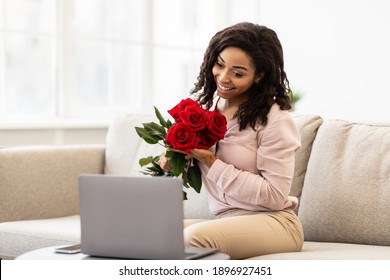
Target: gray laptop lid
131, 217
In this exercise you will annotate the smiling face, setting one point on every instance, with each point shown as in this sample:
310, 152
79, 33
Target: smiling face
234, 73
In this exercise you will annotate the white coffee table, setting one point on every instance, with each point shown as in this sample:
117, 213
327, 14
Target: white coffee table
48, 253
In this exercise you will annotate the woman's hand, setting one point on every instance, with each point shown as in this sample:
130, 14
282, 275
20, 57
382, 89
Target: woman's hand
164, 164
204, 156
294, 202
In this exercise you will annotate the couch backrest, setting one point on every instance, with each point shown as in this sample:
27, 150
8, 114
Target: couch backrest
346, 193
124, 147
308, 126
42, 182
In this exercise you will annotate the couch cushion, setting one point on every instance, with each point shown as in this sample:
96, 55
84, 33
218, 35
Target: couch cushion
124, 148
19, 237
308, 126
346, 193
333, 251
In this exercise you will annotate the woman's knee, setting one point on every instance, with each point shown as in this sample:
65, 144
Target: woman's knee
200, 235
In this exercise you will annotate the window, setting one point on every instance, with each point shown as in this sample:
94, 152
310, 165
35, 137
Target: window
28, 58
69, 59
92, 59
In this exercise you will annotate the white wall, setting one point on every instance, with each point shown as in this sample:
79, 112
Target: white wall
337, 54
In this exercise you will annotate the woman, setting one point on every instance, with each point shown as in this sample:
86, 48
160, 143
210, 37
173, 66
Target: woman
248, 174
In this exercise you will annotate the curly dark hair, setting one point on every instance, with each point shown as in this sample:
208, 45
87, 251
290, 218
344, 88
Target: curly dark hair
263, 46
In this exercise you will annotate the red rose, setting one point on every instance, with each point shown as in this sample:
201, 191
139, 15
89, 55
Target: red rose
181, 138
195, 117
205, 141
175, 111
216, 125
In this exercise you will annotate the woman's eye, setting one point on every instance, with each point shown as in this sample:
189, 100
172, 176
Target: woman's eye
238, 75
219, 64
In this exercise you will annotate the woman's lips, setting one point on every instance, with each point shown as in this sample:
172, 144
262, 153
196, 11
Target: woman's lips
224, 88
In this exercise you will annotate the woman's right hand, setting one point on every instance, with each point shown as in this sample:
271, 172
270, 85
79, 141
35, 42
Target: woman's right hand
164, 164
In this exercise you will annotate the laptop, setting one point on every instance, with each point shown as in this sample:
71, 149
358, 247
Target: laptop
133, 218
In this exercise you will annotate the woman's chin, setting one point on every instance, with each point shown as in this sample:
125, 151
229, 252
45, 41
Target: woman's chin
224, 94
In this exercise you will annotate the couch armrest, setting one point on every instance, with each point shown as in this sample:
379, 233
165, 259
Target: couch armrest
42, 182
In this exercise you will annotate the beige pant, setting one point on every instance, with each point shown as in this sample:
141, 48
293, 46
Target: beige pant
244, 234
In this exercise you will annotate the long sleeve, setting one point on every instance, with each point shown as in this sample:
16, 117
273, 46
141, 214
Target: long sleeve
254, 168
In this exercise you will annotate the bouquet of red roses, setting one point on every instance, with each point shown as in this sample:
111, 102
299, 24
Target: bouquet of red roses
193, 128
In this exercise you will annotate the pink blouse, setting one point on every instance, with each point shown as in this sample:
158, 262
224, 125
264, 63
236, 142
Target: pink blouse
254, 168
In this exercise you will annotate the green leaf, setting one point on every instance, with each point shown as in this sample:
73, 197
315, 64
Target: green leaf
144, 134
145, 161
161, 119
184, 178
169, 124
177, 162
153, 169
154, 129
195, 178
185, 196
154, 162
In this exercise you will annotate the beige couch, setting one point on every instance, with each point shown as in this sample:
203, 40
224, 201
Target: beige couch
342, 177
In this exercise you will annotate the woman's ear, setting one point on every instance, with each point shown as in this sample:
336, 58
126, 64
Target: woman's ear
259, 77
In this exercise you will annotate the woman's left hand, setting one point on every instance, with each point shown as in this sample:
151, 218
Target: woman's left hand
294, 202
204, 156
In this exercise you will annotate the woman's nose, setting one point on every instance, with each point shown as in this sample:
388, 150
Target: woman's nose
223, 77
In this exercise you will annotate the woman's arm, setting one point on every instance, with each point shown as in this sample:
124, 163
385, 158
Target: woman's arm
269, 187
